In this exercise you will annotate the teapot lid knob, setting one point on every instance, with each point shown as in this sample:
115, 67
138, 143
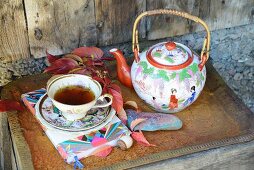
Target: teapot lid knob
170, 46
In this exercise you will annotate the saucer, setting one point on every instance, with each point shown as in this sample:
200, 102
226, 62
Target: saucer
47, 112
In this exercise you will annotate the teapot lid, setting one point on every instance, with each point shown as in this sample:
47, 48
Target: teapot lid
170, 55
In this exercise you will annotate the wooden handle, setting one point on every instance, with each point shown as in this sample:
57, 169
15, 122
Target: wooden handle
206, 45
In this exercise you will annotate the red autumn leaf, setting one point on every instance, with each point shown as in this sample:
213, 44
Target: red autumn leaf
95, 52
107, 81
91, 62
75, 70
51, 58
100, 80
117, 103
8, 105
98, 63
74, 57
114, 90
61, 66
140, 138
115, 87
107, 58
81, 70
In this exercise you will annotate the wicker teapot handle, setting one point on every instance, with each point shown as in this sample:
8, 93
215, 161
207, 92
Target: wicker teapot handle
206, 45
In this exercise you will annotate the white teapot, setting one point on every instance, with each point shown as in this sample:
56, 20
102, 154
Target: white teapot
168, 76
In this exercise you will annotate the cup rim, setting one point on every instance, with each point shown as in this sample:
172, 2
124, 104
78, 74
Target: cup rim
73, 75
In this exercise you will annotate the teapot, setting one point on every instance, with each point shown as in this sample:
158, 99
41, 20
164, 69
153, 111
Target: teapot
168, 76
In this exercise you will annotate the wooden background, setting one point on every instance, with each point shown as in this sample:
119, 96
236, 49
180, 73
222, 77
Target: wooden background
29, 27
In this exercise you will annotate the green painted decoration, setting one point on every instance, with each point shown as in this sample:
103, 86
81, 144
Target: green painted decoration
170, 60
183, 75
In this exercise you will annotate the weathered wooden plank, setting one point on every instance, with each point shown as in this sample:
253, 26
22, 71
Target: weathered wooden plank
218, 14
167, 25
59, 25
235, 157
13, 160
13, 33
115, 19
229, 13
5, 142
20, 147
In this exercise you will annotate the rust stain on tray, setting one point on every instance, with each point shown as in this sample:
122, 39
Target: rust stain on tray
208, 119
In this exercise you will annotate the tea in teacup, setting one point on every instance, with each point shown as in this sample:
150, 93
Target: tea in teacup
74, 95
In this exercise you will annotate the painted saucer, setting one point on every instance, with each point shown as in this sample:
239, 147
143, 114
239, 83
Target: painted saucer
53, 117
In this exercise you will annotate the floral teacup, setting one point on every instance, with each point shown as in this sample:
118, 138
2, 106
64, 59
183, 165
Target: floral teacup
75, 112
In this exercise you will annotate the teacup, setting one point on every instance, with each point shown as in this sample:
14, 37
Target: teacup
75, 112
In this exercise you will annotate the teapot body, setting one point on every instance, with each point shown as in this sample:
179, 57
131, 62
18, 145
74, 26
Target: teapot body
167, 90
168, 76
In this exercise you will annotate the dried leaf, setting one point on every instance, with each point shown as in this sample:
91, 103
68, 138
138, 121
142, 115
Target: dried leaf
75, 70
135, 122
133, 105
117, 103
92, 52
83, 71
61, 66
122, 116
140, 138
51, 58
8, 105
74, 57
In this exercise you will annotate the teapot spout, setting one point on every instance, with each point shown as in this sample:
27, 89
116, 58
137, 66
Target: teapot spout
123, 70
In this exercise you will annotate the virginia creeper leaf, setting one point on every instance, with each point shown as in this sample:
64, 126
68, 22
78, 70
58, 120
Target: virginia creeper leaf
74, 57
94, 52
61, 66
140, 138
8, 105
115, 87
108, 81
117, 103
81, 70
107, 58
51, 58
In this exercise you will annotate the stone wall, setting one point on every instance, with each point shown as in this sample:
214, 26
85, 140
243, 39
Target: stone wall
232, 54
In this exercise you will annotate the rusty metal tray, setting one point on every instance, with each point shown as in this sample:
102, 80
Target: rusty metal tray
218, 118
